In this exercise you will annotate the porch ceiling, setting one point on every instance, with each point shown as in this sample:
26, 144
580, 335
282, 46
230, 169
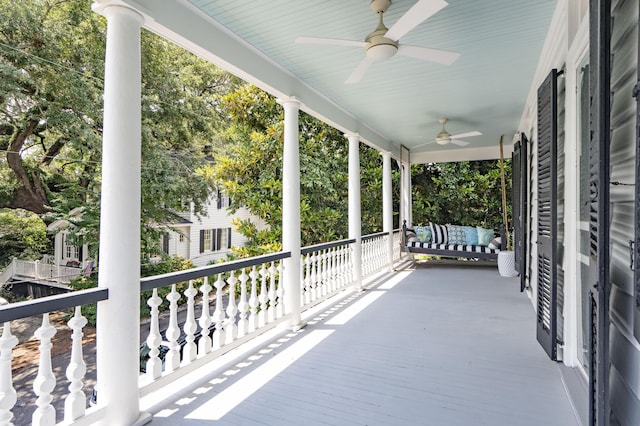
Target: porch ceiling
398, 101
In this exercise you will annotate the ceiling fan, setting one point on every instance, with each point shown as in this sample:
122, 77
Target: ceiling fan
382, 43
444, 137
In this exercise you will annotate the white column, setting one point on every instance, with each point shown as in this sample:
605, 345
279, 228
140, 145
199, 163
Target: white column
406, 194
118, 327
387, 204
291, 211
355, 221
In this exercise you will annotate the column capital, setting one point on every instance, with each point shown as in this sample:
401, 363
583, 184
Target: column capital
109, 8
290, 101
354, 135
385, 154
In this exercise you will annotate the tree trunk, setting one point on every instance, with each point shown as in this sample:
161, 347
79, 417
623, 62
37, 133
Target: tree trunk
30, 194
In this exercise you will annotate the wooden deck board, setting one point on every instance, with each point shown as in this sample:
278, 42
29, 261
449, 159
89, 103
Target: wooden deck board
445, 346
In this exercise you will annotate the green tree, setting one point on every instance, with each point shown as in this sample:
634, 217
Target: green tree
251, 173
23, 235
465, 193
51, 87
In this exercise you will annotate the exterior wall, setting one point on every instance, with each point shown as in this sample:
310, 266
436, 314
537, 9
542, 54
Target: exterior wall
566, 48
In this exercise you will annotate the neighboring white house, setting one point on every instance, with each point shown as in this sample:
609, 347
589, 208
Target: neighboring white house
203, 239
209, 237
65, 251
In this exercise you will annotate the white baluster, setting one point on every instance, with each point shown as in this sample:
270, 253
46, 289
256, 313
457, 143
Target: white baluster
154, 364
332, 269
190, 351
8, 394
243, 305
306, 267
279, 290
45, 381
271, 311
314, 276
218, 314
324, 264
204, 344
75, 404
253, 300
230, 327
172, 359
263, 298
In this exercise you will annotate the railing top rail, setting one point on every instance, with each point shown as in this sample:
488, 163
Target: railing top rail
326, 246
149, 283
376, 235
28, 308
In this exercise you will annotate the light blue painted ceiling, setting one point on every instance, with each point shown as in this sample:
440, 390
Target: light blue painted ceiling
398, 101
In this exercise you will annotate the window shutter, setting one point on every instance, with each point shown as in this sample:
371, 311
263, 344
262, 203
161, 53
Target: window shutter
600, 108
218, 239
547, 215
219, 200
228, 238
201, 240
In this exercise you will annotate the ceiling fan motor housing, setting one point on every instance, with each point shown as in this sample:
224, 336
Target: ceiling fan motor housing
380, 48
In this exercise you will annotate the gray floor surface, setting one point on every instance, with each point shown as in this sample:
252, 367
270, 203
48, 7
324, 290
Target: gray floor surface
445, 345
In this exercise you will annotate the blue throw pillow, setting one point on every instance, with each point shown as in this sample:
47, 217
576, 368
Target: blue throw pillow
456, 234
484, 236
423, 233
471, 235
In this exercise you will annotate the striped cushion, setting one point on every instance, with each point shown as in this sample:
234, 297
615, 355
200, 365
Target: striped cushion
439, 233
456, 247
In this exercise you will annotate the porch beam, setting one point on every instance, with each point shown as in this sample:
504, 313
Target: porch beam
291, 212
355, 219
119, 316
387, 204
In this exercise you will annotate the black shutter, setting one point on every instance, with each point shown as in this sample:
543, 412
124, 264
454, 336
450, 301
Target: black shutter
201, 240
217, 240
599, 87
519, 206
219, 200
547, 215
228, 238
636, 252
165, 243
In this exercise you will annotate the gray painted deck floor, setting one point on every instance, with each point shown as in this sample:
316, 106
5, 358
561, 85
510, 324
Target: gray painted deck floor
438, 345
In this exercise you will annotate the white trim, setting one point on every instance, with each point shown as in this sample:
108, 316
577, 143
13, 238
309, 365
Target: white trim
572, 224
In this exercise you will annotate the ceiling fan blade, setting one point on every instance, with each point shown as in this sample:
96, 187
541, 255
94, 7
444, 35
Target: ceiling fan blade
423, 144
444, 57
465, 135
459, 142
357, 73
329, 41
420, 11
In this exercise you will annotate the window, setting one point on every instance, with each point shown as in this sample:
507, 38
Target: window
71, 251
181, 238
215, 239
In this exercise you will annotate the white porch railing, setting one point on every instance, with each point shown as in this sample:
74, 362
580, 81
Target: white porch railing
237, 301
36, 270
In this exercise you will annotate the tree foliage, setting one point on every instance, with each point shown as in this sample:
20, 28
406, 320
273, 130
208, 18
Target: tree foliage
51, 88
251, 173
464, 193
22, 234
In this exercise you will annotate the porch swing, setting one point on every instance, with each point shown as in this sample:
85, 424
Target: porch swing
471, 242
